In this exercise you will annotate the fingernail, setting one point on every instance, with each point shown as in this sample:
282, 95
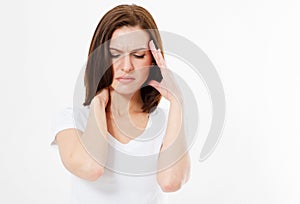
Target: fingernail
152, 44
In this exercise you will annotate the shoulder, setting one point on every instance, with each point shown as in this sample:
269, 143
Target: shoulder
162, 112
81, 114
159, 118
70, 117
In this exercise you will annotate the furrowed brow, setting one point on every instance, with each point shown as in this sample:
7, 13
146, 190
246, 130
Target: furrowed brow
134, 50
140, 49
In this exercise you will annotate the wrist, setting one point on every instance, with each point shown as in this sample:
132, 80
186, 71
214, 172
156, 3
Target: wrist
176, 101
98, 101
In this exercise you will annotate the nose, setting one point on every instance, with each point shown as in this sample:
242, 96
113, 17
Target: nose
126, 64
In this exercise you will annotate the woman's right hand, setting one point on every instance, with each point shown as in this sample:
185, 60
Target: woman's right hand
102, 96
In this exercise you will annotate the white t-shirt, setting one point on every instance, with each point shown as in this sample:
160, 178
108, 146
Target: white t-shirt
116, 186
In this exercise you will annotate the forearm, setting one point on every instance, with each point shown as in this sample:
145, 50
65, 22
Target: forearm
174, 149
94, 139
175, 129
74, 156
172, 178
89, 154
82, 164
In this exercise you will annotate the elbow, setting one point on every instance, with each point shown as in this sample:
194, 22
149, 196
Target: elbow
170, 186
95, 173
171, 182
93, 170
90, 170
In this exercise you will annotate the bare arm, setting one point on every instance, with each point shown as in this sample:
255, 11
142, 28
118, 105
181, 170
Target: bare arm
171, 178
173, 148
83, 153
74, 157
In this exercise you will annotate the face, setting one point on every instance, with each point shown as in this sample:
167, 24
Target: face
131, 59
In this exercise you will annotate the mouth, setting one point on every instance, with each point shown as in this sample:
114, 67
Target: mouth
125, 79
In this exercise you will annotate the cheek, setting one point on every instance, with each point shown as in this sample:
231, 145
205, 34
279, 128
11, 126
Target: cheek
143, 63
143, 68
143, 73
115, 64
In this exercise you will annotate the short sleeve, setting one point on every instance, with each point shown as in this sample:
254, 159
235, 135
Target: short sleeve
61, 121
69, 118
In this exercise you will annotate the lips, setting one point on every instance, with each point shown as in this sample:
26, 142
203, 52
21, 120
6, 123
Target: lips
125, 79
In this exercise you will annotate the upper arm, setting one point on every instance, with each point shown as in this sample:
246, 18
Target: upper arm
67, 140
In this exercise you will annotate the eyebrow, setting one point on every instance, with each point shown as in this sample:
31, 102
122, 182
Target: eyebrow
134, 50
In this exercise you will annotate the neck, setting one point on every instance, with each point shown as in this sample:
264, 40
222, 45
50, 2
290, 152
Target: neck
123, 104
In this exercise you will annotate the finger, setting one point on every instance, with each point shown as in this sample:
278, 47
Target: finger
162, 90
152, 46
161, 60
153, 50
156, 85
153, 83
156, 54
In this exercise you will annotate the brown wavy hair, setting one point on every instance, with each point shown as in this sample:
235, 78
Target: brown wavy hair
99, 74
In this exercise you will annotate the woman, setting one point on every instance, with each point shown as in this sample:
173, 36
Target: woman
125, 78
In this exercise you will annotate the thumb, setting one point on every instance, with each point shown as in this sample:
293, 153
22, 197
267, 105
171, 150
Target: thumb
154, 83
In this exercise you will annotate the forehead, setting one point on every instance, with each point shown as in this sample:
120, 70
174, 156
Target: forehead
129, 38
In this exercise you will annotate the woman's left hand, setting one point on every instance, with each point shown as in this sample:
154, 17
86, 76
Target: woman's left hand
167, 87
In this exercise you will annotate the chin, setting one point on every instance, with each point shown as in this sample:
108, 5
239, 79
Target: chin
126, 90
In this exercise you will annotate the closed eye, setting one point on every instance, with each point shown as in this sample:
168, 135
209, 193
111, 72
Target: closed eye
115, 55
139, 56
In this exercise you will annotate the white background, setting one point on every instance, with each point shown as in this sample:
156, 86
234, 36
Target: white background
254, 46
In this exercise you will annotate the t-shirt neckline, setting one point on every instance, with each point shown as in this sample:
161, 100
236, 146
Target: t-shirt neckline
117, 142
